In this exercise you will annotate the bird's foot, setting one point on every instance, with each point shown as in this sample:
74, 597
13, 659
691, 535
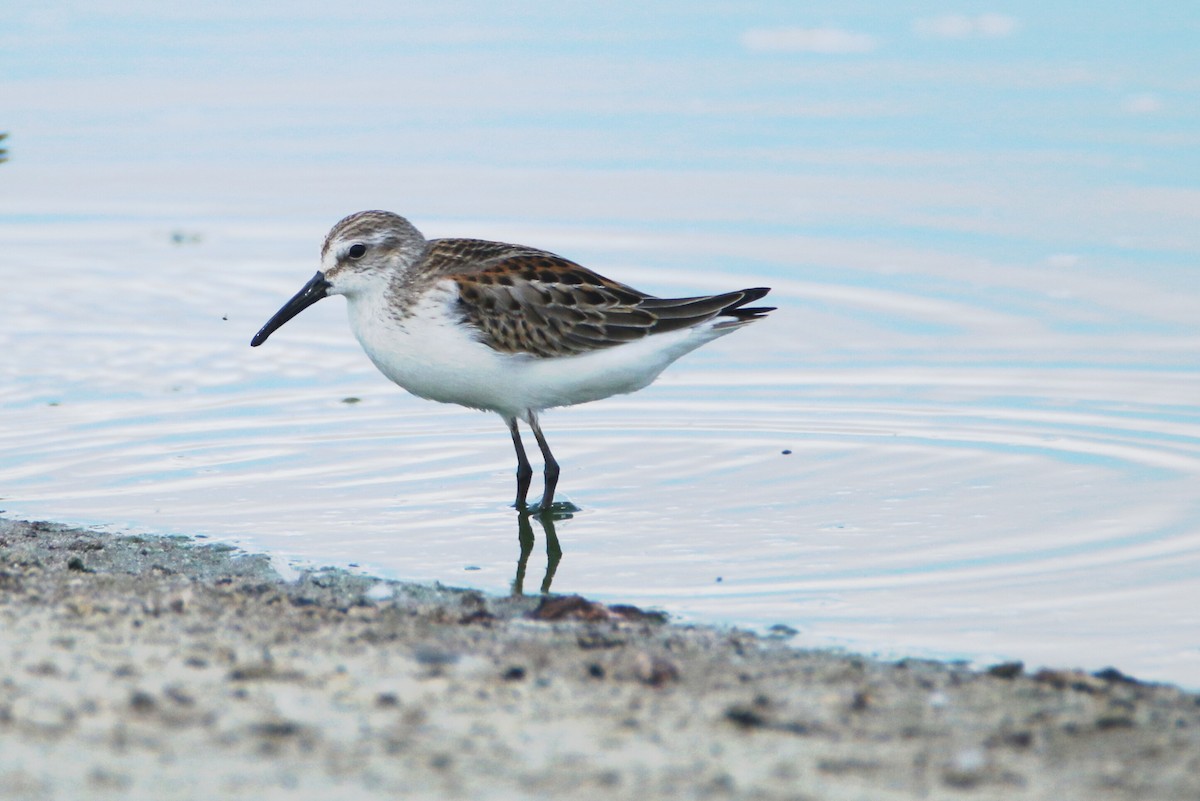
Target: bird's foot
558, 510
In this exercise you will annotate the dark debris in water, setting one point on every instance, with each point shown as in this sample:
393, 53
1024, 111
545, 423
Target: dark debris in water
1102, 681
180, 237
569, 607
1114, 676
1007, 670
576, 607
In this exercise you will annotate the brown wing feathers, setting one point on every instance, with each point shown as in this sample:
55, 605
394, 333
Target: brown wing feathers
529, 301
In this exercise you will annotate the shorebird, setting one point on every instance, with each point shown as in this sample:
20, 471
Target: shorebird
504, 328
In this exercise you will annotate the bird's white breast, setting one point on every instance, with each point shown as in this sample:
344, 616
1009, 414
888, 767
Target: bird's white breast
431, 352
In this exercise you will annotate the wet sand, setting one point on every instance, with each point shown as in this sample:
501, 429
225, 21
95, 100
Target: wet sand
157, 668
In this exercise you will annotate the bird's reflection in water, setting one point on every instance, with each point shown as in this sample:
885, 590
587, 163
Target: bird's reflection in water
526, 537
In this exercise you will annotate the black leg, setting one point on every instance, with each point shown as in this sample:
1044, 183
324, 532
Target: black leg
524, 471
551, 465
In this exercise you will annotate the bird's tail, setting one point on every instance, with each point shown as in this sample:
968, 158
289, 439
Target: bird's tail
738, 310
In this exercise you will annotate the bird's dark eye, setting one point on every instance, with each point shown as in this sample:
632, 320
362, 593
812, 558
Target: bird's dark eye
356, 250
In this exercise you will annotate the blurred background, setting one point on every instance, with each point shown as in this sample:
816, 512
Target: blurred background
970, 431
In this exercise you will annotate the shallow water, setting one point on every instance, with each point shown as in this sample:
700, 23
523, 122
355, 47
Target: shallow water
971, 429
905, 490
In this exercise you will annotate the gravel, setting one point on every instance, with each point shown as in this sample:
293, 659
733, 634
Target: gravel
157, 668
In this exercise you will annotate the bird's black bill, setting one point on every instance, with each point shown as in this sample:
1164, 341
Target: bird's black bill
313, 291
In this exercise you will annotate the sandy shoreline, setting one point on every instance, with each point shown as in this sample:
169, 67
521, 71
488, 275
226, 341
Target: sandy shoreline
156, 668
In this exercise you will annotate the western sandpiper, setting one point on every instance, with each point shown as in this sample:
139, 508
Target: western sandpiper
503, 328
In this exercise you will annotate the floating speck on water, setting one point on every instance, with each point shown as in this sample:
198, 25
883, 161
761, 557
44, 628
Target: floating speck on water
719, 579
472, 567
786, 452
186, 238
351, 400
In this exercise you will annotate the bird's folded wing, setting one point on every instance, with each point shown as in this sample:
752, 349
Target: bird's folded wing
533, 302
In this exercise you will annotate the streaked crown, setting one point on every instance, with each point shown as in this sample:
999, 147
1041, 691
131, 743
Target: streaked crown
376, 231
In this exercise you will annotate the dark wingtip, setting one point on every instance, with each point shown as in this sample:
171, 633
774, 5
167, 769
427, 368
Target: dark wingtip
738, 311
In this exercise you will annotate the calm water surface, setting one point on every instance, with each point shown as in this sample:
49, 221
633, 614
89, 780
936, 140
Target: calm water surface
971, 430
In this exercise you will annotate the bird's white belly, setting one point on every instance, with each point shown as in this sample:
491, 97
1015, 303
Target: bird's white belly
432, 355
